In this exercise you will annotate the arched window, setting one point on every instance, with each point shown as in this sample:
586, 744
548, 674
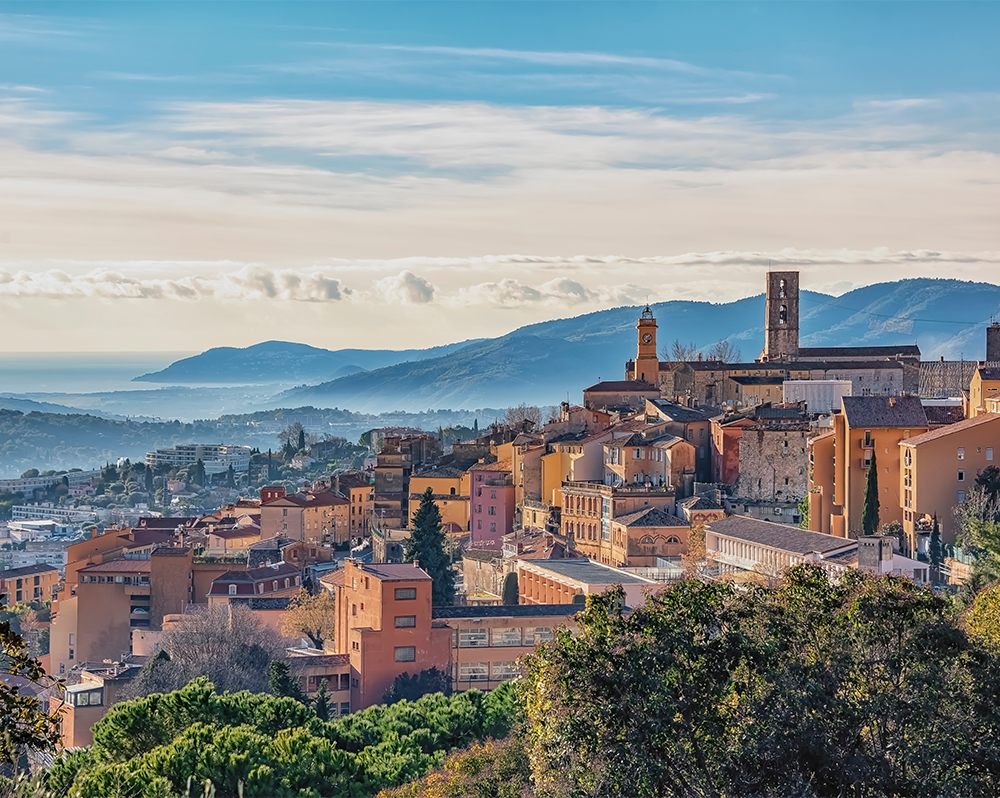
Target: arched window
646, 539
672, 538
781, 289
783, 314
452, 491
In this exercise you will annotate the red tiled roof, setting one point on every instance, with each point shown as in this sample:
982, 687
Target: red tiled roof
118, 567
394, 572
942, 432
308, 500
500, 465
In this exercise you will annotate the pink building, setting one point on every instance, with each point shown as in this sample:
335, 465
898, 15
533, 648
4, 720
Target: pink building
491, 514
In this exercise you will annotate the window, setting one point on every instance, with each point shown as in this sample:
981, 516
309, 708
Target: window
354, 609
506, 637
491, 510
406, 593
473, 671
345, 708
479, 508
284, 513
499, 671
493, 526
538, 634
472, 638
961, 496
989, 452
961, 475
406, 621
71, 654
479, 524
493, 494
961, 452
232, 590
405, 653
72, 639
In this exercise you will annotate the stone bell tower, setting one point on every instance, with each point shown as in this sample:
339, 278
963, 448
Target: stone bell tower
647, 362
781, 320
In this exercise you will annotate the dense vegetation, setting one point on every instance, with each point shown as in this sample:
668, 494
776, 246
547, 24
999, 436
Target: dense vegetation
863, 687
260, 745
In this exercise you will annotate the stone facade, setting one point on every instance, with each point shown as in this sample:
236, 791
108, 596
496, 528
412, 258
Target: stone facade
774, 462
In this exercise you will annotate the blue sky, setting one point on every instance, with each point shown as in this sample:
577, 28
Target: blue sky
465, 168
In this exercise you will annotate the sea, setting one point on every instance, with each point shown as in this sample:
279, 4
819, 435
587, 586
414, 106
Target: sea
79, 372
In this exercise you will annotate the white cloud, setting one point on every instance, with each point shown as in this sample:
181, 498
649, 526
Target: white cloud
251, 282
405, 288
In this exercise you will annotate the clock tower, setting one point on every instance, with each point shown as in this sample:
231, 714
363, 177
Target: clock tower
647, 362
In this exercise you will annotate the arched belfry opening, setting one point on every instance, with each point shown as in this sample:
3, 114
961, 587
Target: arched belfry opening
781, 316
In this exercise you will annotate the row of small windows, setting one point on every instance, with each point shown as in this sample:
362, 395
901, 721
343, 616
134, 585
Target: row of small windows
500, 637
117, 580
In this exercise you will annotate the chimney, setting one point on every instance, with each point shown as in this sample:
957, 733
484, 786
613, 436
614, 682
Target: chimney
93, 532
892, 401
416, 563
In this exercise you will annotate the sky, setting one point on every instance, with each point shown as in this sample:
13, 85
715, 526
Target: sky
177, 176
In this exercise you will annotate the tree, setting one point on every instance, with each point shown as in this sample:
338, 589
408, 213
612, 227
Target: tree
282, 684
230, 477
311, 616
229, 645
199, 473
511, 594
321, 703
804, 512
31, 473
475, 428
936, 552
520, 413
410, 688
149, 481
869, 508
26, 724
725, 351
426, 545
679, 352
302, 439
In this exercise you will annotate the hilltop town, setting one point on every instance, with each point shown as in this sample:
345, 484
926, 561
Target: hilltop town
847, 459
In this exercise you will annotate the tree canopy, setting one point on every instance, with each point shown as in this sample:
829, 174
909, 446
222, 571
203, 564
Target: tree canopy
311, 616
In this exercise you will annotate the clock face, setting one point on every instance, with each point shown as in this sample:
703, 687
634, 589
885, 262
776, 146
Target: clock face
647, 338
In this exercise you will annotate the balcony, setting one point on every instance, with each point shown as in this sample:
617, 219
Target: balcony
868, 442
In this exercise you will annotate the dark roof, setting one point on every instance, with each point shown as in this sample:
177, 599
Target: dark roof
482, 555
396, 572
164, 551
649, 517
163, 523
145, 537
443, 471
261, 574
234, 532
506, 611
622, 386
321, 499
989, 372
335, 660
770, 411
28, 570
272, 544
778, 536
959, 426
758, 380
118, 567
944, 414
884, 411
683, 414
700, 502
859, 352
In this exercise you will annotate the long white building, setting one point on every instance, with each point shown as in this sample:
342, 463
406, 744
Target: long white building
41, 512
216, 457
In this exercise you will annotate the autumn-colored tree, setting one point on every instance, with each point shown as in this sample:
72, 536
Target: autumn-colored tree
311, 616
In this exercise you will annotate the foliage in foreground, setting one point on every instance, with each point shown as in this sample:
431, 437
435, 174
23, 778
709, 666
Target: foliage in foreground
259, 745
866, 687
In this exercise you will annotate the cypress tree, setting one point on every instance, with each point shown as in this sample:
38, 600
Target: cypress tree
510, 589
321, 703
302, 439
936, 552
869, 509
426, 546
149, 480
231, 477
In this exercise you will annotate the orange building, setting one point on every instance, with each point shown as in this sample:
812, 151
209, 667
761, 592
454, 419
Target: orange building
939, 469
315, 517
839, 462
450, 487
557, 582
984, 390
30, 583
83, 704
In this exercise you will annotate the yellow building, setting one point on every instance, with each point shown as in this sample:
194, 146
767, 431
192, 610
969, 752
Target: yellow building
839, 463
451, 494
938, 470
984, 391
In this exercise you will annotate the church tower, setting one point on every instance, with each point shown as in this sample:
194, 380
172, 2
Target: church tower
781, 321
647, 362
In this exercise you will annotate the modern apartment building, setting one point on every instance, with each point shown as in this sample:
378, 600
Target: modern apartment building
29, 583
939, 468
216, 457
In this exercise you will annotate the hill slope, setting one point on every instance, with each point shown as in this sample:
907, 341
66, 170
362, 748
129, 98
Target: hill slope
543, 362
281, 361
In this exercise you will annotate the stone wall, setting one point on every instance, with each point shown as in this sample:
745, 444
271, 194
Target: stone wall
774, 463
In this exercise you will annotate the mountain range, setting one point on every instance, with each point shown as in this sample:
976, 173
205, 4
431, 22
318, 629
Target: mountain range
551, 361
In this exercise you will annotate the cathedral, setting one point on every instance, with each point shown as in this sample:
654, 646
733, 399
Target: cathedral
871, 370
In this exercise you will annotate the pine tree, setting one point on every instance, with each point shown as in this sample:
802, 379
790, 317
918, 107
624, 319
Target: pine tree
936, 552
869, 509
268, 465
281, 682
321, 703
510, 589
426, 546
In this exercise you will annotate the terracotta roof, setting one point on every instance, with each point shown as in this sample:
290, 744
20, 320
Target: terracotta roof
699, 503
649, 517
335, 578
28, 570
118, 567
884, 411
315, 660
499, 465
942, 432
778, 536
